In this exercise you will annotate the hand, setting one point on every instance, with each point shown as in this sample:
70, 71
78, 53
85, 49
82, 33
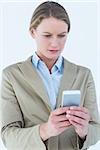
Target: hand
56, 124
79, 117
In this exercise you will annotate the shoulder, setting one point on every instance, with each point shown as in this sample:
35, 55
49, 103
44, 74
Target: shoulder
78, 68
14, 68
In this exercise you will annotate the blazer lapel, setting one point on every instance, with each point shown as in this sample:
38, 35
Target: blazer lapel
35, 81
68, 78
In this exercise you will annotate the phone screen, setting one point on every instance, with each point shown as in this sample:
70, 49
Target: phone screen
71, 98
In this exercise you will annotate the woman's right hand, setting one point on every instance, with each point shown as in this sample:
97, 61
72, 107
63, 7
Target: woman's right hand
56, 124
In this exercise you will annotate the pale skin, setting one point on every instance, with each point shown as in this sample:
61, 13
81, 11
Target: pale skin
50, 36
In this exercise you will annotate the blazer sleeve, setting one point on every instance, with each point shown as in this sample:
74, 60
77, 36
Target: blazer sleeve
90, 103
13, 133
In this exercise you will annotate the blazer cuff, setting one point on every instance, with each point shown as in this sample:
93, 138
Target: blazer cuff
80, 142
92, 137
15, 138
38, 141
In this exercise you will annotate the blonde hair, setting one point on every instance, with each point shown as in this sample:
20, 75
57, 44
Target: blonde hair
46, 10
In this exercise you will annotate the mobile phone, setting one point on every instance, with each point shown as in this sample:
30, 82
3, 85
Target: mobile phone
71, 98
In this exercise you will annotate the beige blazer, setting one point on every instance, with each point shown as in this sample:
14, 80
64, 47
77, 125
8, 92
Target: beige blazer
25, 105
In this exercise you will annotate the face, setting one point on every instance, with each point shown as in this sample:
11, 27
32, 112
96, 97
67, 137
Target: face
50, 36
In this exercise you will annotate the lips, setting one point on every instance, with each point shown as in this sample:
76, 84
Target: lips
53, 50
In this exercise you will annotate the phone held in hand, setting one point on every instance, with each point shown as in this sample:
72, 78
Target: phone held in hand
71, 98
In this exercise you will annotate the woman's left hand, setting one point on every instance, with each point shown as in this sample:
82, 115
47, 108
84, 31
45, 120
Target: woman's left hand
79, 117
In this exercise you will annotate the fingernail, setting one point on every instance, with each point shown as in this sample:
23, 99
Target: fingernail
68, 111
67, 116
72, 107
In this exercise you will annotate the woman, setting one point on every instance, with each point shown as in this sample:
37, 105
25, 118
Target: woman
32, 118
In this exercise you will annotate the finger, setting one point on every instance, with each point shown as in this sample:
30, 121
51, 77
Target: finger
60, 111
63, 124
59, 118
79, 114
78, 120
79, 108
76, 126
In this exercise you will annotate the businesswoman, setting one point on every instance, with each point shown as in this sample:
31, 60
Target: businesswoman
31, 95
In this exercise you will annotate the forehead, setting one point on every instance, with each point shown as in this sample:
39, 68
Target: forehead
52, 25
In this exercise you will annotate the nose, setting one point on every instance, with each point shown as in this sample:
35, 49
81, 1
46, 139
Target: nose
54, 42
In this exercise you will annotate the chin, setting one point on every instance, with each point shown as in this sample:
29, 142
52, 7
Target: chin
53, 57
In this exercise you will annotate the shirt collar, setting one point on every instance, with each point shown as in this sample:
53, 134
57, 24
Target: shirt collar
35, 59
58, 65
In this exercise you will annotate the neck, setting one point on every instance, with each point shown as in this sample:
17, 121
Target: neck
49, 62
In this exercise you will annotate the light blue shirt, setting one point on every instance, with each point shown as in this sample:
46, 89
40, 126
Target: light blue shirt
51, 81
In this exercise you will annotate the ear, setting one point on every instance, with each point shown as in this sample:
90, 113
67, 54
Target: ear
32, 32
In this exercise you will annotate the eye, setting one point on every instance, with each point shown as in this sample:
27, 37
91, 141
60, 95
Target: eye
61, 35
48, 35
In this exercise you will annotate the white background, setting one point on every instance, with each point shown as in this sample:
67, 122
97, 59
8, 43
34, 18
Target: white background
82, 46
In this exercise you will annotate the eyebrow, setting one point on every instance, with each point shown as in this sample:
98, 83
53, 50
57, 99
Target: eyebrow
58, 34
